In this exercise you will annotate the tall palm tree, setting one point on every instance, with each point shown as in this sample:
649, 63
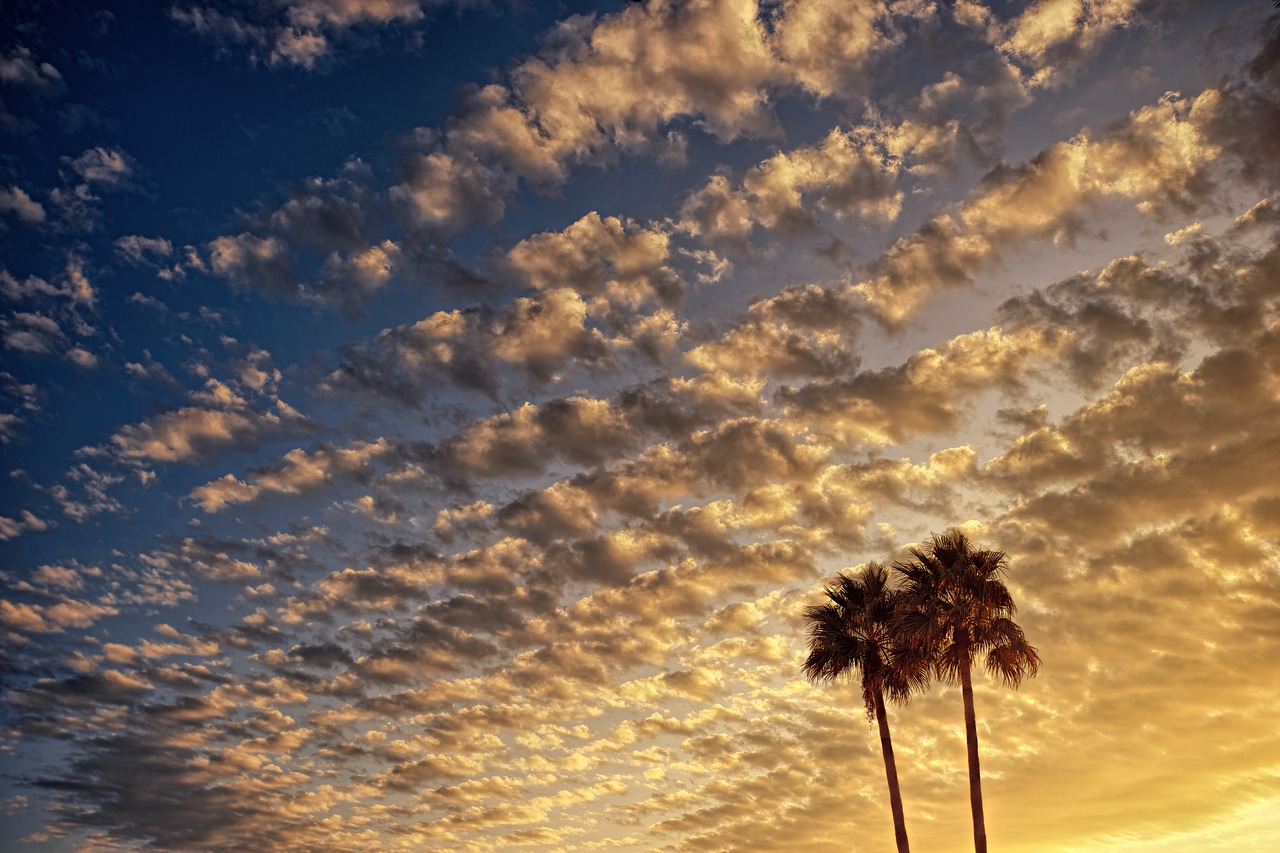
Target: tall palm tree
956, 607
852, 633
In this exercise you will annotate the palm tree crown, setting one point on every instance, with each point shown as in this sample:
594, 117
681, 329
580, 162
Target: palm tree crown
958, 607
853, 633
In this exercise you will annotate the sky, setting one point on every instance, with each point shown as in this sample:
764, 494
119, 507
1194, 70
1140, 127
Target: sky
424, 422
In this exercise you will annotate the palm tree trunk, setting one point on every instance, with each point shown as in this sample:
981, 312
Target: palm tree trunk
975, 772
891, 772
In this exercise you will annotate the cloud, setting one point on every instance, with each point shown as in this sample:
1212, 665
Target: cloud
92, 497
856, 172
538, 335
33, 333
617, 261
365, 270
449, 194
827, 45
298, 472
1053, 35
137, 249
848, 175
72, 285
191, 434
803, 331
928, 393
302, 49
210, 560
27, 521
959, 119
573, 103
579, 429
52, 618
82, 358
18, 397
95, 170
108, 168
36, 334
248, 260
1158, 158
1251, 91
20, 68
341, 13
150, 370
196, 434
1156, 460
1132, 306
330, 219
64, 577
321, 214
228, 30
14, 200
298, 33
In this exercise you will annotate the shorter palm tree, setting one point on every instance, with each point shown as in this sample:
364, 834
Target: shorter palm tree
852, 633
955, 607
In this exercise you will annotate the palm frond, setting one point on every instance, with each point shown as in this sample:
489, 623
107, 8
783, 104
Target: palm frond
1012, 663
910, 672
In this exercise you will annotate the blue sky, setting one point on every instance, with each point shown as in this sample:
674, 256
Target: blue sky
425, 422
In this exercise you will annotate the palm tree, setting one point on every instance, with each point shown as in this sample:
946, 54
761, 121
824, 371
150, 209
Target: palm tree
853, 633
956, 607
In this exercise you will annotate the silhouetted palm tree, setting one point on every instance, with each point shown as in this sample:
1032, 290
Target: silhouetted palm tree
957, 608
852, 633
